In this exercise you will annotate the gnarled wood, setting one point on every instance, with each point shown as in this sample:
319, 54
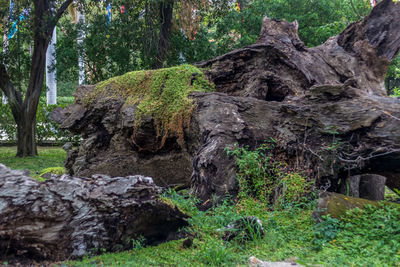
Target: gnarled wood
68, 217
325, 106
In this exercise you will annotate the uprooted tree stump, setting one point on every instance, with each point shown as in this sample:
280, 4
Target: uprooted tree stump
68, 217
326, 107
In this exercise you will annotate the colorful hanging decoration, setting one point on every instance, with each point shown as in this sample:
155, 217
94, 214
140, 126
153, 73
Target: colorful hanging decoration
237, 7
11, 15
122, 9
108, 13
373, 3
108, 18
15, 27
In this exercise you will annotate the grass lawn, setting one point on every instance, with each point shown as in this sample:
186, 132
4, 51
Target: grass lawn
48, 157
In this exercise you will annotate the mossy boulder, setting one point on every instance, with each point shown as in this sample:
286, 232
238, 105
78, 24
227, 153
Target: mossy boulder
336, 205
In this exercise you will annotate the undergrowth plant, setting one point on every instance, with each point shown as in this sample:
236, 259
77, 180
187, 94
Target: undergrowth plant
261, 176
396, 92
257, 170
362, 237
325, 231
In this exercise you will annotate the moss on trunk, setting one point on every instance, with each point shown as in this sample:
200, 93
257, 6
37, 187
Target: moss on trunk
161, 94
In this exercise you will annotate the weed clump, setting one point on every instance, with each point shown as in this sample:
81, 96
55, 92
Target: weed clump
161, 94
262, 177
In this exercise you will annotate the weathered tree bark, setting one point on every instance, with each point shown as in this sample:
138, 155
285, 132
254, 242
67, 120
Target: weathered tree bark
68, 217
326, 107
24, 110
166, 10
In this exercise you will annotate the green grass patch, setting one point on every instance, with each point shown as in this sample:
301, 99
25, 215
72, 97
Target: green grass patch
48, 157
289, 234
161, 94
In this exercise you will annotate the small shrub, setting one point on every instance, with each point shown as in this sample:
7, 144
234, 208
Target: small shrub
139, 242
257, 171
261, 176
296, 190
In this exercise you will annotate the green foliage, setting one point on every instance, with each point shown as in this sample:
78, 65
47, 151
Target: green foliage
46, 129
325, 231
363, 237
396, 92
376, 225
393, 77
216, 254
244, 230
49, 157
258, 172
138, 242
7, 124
161, 94
261, 176
296, 189
53, 170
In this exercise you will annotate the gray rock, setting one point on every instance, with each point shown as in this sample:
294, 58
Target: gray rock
368, 186
67, 146
372, 186
254, 262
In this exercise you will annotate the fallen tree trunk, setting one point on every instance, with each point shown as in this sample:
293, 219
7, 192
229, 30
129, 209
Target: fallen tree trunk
68, 217
326, 107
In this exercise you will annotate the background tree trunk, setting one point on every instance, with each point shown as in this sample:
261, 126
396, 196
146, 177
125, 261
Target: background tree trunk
81, 48
24, 110
51, 71
26, 129
166, 12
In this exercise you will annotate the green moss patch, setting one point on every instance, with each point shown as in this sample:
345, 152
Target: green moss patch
161, 94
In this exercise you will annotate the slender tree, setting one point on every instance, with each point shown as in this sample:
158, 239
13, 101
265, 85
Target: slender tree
51, 73
45, 17
81, 50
